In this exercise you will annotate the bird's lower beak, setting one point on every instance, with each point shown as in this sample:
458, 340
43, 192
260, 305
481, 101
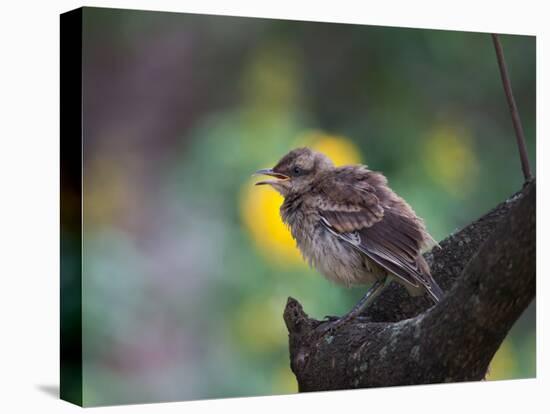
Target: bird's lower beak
279, 177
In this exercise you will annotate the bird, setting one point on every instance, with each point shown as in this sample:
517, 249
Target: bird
352, 227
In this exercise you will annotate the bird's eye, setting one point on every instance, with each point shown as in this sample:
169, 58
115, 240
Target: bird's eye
297, 170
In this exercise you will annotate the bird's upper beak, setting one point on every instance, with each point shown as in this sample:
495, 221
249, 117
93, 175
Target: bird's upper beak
268, 171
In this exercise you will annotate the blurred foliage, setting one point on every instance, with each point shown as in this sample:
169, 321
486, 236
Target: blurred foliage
187, 266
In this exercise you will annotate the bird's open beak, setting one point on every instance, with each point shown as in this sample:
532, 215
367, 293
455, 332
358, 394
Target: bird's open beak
279, 177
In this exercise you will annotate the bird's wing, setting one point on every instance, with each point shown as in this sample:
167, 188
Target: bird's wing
365, 215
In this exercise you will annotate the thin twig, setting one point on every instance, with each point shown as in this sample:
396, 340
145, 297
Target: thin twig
520, 138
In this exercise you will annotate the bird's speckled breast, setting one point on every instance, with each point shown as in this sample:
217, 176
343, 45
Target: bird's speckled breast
334, 258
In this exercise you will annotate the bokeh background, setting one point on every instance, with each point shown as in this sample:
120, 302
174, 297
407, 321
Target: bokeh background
186, 265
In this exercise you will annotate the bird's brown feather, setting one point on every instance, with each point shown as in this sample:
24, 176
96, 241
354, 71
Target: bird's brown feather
376, 221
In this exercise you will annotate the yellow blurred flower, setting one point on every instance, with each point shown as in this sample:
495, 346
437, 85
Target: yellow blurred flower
259, 206
260, 213
284, 380
451, 160
258, 325
339, 149
503, 365
108, 192
270, 80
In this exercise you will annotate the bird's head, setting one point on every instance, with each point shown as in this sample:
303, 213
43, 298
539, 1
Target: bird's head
295, 172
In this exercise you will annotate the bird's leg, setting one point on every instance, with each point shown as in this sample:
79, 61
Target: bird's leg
365, 301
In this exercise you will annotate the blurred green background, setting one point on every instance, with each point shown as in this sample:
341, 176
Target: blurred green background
187, 267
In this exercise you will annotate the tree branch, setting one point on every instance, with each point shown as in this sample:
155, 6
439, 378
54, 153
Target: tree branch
520, 138
488, 269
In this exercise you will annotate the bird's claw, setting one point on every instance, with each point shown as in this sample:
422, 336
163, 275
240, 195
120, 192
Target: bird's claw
332, 324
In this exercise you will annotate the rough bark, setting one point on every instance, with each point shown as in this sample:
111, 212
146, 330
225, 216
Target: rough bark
488, 273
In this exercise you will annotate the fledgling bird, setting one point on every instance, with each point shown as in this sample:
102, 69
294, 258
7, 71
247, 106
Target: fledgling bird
351, 226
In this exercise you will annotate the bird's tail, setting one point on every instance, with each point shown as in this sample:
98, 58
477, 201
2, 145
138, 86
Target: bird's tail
434, 290
430, 284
